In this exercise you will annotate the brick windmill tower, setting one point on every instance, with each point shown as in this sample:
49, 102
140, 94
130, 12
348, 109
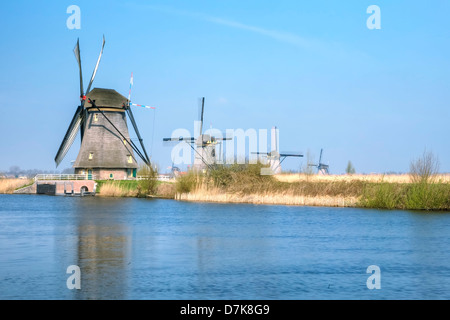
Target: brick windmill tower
106, 150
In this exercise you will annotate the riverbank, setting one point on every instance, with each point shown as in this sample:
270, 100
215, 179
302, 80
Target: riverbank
382, 195
247, 185
8, 186
267, 198
373, 178
136, 188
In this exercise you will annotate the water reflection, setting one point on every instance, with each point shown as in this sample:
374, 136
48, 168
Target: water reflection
103, 248
163, 249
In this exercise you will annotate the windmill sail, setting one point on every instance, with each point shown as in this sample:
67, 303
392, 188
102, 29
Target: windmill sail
202, 109
70, 135
76, 51
321, 168
203, 145
96, 67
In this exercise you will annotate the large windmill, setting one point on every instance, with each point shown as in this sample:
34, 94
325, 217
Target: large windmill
274, 157
204, 145
106, 150
321, 168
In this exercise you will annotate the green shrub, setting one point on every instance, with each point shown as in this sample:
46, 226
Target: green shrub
149, 181
188, 182
382, 195
428, 196
411, 196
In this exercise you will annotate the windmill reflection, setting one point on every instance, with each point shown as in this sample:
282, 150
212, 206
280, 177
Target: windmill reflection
104, 250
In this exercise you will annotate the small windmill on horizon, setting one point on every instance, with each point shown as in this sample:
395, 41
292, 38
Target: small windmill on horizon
321, 167
274, 157
204, 145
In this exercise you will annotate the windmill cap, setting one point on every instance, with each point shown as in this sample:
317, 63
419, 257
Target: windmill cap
106, 98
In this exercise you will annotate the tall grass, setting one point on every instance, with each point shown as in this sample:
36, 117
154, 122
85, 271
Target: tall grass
244, 183
135, 188
373, 178
411, 196
9, 185
166, 190
117, 188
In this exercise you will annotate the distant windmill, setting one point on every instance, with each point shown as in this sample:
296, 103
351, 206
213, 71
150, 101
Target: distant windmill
274, 157
174, 171
204, 145
106, 149
321, 168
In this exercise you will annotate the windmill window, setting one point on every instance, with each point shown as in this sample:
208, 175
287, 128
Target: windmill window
124, 142
91, 155
130, 159
95, 117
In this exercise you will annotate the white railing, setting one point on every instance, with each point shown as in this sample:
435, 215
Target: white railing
160, 177
44, 176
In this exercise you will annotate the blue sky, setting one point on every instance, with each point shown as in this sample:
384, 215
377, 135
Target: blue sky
311, 68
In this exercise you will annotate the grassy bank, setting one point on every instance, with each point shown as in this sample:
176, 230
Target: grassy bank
9, 185
117, 188
244, 183
373, 177
411, 196
135, 188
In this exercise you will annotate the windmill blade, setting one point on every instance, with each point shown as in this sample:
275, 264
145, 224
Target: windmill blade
96, 67
224, 137
70, 135
76, 51
133, 122
202, 109
291, 154
320, 157
188, 139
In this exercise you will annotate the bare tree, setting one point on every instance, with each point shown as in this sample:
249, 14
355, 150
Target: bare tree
425, 168
15, 171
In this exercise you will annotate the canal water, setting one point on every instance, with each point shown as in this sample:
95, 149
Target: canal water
128, 248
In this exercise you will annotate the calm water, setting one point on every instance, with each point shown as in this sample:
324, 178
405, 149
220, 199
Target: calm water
163, 249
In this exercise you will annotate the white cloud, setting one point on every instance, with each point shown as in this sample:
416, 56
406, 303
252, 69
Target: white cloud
281, 36
277, 35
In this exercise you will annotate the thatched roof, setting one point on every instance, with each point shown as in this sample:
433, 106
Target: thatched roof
105, 98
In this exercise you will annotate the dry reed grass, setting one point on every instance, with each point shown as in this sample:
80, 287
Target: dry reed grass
112, 189
374, 178
208, 194
245, 185
9, 185
166, 190
117, 189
